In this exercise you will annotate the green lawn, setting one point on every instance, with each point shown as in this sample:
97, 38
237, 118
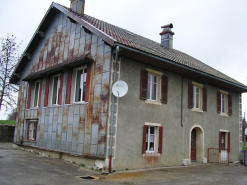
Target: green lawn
7, 122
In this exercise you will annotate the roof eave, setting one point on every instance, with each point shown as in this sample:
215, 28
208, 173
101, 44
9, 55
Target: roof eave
242, 88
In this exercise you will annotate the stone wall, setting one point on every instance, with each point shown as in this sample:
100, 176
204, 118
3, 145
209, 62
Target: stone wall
7, 133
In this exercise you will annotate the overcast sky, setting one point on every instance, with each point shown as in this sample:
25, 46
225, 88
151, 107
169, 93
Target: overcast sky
213, 31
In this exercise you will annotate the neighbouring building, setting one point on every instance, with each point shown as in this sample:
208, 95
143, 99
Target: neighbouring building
175, 109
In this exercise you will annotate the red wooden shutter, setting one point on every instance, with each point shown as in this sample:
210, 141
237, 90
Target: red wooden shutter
35, 131
164, 89
218, 101
229, 104
46, 92
220, 141
228, 142
28, 127
40, 92
204, 99
87, 82
60, 90
160, 140
144, 139
144, 84
190, 95
68, 92
29, 95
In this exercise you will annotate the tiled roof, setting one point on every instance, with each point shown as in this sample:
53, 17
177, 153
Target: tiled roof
127, 38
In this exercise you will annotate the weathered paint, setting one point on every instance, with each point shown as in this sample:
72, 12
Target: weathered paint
68, 127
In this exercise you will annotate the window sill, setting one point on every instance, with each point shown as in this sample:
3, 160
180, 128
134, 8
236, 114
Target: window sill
33, 108
151, 154
197, 110
30, 141
153, 102
224, 115
50, 106
77, 103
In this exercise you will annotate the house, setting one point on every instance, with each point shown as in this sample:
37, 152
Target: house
176, 107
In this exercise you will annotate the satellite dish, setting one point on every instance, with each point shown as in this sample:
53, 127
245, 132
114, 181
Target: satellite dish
119, 88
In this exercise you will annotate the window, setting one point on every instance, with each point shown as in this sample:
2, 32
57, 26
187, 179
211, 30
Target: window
34, 94
80, 84
154, 87
31, 130
55, 89
197, 97
224, 103
152, 138
224, 140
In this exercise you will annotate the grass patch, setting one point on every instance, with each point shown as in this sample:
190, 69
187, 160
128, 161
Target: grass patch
7, 122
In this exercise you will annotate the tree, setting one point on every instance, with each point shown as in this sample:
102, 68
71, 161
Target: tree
8, 61
12, 114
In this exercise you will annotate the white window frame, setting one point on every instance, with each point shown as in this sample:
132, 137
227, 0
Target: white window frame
58, 88
33, 125
37, 103
197, 86
156, 136
148, 150
158, 87
81, 83
225, 95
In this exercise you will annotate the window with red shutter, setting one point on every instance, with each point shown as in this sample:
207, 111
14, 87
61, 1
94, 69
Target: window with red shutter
160, 140
60, 90
218, 102
40, 92
229, 104
144, 139
164, 89
228, 142
88, 82
220, 141
68, 92
204, 99
144, 84
190, 95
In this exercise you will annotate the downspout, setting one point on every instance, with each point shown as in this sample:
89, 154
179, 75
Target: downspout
112, 110
182, 91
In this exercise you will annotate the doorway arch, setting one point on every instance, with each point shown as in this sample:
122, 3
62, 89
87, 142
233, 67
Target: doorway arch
196, 144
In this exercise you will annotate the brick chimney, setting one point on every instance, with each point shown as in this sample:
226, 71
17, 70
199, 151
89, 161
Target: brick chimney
77, 6
167, 36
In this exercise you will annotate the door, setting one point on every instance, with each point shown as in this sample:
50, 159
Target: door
193, 145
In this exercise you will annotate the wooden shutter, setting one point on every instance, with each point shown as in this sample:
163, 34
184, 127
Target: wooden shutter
218, 101
29, 95
60, 90
164, 89
87, 82
204, 99
160, 140
190, 95
144, 139
228, 142
35, 131
220, 141
46, 92
40, 92
68, 92
28, 127
229, 104
144, 84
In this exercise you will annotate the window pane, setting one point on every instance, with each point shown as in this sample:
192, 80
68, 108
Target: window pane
54, 93
154, 91
197, 100
151, 130
149, 76
222, 103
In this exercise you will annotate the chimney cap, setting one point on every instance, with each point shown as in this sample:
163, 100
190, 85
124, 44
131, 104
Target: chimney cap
168, 25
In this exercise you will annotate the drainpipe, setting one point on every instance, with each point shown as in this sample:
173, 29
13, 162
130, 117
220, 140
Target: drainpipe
182, 91
112, 109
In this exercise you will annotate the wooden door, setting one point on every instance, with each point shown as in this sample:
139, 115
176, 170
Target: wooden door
193, 145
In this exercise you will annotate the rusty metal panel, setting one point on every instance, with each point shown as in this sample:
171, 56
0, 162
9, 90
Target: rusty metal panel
63, 142
61, 45
76, 123
78, 28
59, 132
103, 123
64, 20
71, 114
94, 135
51, 115
94, 50
88, 42
68, 24
87, 143
100, 55
53, 140
101, 144
49, 132
68, 146
104, 101
98, 74
55, 111
97, 92
93, 149
106, 62
65, 123
60, 117
48, 144
66, 52
96, 113
74, 142
71, 45
54, 127
76, 47
76, 109
80, 148
66, 110
81, 134
69, 133
88, 124
81, 49
48, 64
105, 82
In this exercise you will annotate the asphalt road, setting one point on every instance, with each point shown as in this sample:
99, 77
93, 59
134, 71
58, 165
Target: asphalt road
18, 167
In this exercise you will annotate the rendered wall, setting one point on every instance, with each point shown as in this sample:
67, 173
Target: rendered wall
73, 128
132, 113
